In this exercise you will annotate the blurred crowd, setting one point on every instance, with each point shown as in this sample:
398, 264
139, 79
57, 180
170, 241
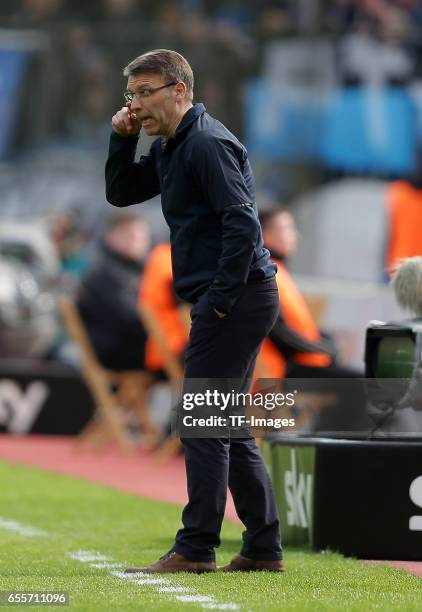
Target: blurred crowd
90, 43
379, 41
117, 275
111, 273
121, 286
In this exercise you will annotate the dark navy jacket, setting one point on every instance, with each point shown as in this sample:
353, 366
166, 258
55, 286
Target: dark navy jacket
208, 201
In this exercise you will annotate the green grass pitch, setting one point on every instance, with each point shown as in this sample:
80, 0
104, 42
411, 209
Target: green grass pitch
128, 529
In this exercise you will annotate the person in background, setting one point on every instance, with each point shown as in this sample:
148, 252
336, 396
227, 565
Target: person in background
70, 238
107, 295
40, 13
404, 218
295, 340
164, 355
295, 348
157, 293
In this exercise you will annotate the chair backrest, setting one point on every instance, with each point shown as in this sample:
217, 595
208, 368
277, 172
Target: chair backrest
78, 333
172, 365
96, 377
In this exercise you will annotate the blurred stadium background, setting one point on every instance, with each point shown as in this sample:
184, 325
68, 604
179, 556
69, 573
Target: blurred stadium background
327, 97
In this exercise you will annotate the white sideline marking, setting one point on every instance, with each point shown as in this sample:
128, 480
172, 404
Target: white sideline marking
174, 589
23, 530
146, 579
106, 565
131, 577
222, 606
195, 598
100, 561
85, 556
151, 581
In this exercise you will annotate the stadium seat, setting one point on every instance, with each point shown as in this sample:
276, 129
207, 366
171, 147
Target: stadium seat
171, 365
113, 392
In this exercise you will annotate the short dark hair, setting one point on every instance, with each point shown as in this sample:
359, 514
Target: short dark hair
118, 219
267, 215
170, 65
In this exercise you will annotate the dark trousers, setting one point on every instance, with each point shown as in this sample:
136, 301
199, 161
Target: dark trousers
217, 349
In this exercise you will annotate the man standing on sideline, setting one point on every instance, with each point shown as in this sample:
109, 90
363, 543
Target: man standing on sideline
219, 265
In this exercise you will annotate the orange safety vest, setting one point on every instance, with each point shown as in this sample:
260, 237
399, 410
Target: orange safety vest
156, 291
297, 316
404, 210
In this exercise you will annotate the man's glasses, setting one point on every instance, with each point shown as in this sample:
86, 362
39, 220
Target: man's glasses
146, 92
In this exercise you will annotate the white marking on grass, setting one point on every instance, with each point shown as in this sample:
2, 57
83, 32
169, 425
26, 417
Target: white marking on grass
195, 598
106, 565
174, 589
140, 578
151, 581
85, 556
222, 606
23, 530
132, 576
145, 579
100, 561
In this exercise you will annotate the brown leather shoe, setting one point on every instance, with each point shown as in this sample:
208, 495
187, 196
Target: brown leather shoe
172, 563
243, 564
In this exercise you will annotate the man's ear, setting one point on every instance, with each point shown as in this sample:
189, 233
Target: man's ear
180, 91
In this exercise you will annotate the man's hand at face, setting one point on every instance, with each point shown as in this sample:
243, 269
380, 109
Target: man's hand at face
125, 123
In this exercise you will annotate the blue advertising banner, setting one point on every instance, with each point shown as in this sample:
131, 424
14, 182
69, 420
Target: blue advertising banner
283, 125
370, 130
13, 63
350, 130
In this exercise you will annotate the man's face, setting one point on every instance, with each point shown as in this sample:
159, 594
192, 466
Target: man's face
131, 239
156, 112
281, 235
